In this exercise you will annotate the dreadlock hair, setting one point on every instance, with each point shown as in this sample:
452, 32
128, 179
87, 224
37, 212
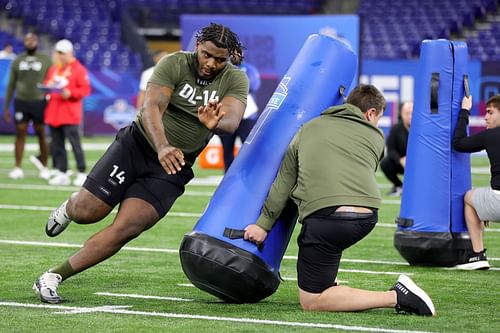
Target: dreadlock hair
365, 97
222, 37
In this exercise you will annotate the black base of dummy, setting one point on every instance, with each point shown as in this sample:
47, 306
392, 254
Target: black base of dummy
441, 249
226, 271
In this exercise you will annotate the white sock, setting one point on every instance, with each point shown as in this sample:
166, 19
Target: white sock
62, 210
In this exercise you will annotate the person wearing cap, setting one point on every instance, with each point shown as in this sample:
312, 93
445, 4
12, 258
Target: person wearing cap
68, 84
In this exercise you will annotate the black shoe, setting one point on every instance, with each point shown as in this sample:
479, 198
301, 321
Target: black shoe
412, 299
475, 261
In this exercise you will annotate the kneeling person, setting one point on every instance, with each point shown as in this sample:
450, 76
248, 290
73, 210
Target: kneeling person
329, 172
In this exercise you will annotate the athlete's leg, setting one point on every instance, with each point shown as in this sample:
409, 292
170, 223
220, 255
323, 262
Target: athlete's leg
343, 298
391, 171
58, 149
474, 225
42, 143
228, 149
73, 135
85, 208
134, 217
21, 132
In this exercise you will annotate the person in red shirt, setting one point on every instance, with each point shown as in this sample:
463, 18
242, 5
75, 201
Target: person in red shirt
67, 84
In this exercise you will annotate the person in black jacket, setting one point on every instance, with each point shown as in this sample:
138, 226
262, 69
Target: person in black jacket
480, 204
395, 160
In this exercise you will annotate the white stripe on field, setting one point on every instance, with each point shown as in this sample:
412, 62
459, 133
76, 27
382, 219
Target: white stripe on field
115, 310
75, 188
95, 309
129, 248
164, 298
286, 278
9, 147
362, 261
148, 249
175, 214
208, 181
371, 272
69, 245
49, 209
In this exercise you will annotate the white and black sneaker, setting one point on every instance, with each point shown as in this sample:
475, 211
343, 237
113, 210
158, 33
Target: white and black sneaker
411, 298
46, 287
58, 221
476, 261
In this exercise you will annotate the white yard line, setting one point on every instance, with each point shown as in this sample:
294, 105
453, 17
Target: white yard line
163, 298
173, 214
383, 262
33, 147
31, 187
176, 251
120, 310
49, 209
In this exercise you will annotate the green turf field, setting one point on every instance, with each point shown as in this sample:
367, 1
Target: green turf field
143, 288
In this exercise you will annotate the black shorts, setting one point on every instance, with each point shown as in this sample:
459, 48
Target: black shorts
130, 169
323, 237
26, 111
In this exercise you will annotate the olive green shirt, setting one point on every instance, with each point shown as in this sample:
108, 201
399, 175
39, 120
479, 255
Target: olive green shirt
331, 161
183, 129
26, 71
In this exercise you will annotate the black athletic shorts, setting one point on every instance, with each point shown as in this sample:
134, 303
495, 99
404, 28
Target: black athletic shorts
26, 111
323, 237
130, 169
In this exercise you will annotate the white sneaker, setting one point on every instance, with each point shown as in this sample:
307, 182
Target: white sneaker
80, 179
58, 221
46, 287
38, 164
60, 179
45, 174
16, 173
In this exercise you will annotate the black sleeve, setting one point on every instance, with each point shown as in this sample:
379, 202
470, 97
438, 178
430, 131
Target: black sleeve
394, 142
462, 142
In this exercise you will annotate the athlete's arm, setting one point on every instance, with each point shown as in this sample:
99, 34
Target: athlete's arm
155, 104
224, 117
233, 110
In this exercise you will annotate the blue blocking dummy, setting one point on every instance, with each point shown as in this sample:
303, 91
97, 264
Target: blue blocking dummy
431, 226
214, 256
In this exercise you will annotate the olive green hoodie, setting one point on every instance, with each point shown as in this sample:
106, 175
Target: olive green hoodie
331, 161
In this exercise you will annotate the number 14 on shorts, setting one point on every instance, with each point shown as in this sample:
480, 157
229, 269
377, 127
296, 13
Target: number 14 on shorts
118, 174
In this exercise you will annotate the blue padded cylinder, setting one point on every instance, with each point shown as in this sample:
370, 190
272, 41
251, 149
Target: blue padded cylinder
431, 223
231, 268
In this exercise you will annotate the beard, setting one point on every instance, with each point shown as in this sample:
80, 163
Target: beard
31, 51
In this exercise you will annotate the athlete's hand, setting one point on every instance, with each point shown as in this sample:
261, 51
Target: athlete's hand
171, 159
6, 115
255, 234
467, 103
210, 114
